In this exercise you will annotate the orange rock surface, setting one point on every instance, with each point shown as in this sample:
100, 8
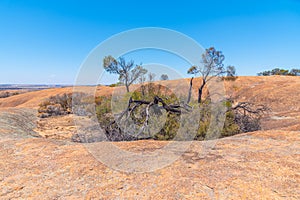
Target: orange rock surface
38, 160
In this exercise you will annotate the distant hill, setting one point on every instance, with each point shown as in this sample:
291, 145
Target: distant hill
28, 86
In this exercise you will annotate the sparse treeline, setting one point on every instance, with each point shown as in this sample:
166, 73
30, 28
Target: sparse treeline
279, 71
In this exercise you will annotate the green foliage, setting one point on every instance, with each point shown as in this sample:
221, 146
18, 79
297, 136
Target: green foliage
231, 71
230, 126
282, 72
128, 72
295, 72
103, 110
204, 122
138, 95
166, 126
116, 84
164, 77
168, 129
103, 104
193, 70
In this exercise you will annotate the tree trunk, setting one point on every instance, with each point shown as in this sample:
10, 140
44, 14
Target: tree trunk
127, 87
143, 90
190, 91
199, 95
126, 83
201, 91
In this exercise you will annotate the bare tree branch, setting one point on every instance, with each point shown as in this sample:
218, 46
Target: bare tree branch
113, 131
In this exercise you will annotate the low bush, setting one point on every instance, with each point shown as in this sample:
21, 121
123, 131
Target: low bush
56, 105
116, 84
229, 78
8, 94
62, 105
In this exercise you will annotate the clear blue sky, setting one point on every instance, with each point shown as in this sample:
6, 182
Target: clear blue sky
45, 41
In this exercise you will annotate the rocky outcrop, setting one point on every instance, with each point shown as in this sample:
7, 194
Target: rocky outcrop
259, 165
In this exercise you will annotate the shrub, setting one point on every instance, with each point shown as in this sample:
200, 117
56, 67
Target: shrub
103, 110
170, 128
4, 94
116, 84
231, 127
229, 78
247, 123
56, 105
8, 94
62, 105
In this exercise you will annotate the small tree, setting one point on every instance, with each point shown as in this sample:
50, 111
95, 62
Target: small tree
264, 73
142, 80
164, 77
278, 71
231, 71
128, 72
212, 67
151, 79
295, 72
